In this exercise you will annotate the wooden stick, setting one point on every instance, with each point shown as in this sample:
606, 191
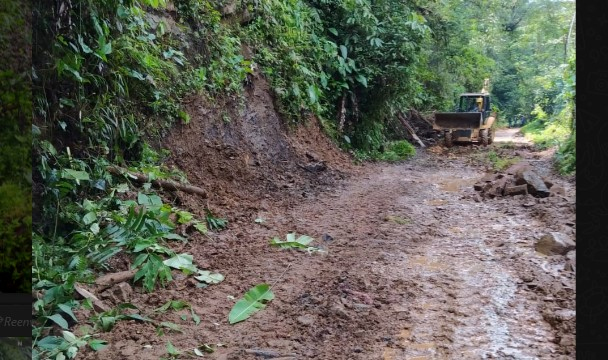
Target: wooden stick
410, 129
109, 280
98, 305
163, 184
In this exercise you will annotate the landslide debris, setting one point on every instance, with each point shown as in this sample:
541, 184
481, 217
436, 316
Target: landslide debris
519, 179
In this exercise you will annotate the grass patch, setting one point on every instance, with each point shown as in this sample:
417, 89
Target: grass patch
506, 145
565, 158
499, 162
547, 131
393, 152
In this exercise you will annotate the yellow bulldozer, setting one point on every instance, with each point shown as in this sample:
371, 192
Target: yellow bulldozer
473, 120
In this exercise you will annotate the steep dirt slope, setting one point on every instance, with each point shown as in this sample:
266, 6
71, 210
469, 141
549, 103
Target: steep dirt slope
242, 153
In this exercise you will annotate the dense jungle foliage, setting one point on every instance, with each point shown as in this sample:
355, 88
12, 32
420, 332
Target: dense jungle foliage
15, 147
110, 75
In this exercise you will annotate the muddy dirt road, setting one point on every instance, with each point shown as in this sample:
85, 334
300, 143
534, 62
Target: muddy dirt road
512, 135
416, 267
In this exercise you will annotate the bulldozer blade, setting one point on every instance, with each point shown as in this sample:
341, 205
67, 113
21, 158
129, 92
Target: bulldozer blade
457, 121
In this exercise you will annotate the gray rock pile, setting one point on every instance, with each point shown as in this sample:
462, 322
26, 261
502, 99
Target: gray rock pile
519, 179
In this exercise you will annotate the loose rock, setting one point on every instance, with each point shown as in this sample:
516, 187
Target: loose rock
555, 243
516, 190
536, 185
570, 261
122, 292
306, 320
558, 190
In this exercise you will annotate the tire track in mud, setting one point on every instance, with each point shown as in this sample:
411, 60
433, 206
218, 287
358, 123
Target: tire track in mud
467, 305
461, 300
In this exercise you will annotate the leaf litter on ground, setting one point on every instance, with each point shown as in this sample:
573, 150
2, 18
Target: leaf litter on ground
291, 242
253, 301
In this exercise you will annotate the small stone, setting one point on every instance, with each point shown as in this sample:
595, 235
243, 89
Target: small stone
340, 311
567, 341
571, 255
516, 190
488, 178
306, 320
527, 277
122, 292
558, 190
570, 261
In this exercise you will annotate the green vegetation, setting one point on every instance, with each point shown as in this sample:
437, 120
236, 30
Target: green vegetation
557, 129
566, 156
101, 87
500, 162
15, 147
15, 348
393, 151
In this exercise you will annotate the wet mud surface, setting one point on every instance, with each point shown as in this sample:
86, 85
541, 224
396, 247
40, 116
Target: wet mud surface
415, 268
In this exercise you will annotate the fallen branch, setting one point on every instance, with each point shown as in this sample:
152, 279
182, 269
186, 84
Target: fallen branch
163, 184
342, 114
409, 129
108, 280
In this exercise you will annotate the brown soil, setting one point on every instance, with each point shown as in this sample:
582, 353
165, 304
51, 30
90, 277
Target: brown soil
246, 158
416, 267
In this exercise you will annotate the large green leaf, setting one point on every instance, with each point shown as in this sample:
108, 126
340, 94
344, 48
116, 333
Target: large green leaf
97, 344
75, 175
208, 277
253, 301
59, 320
343, 51
181, 262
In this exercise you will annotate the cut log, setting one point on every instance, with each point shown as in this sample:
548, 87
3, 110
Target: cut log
410, 129
108, 280
163, 184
